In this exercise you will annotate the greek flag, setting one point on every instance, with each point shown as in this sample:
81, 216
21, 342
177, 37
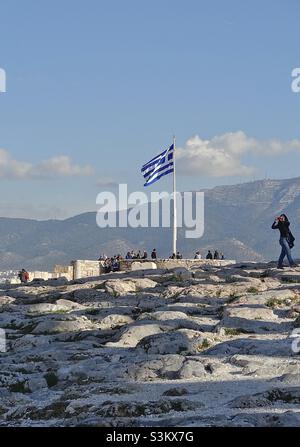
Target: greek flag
159, 166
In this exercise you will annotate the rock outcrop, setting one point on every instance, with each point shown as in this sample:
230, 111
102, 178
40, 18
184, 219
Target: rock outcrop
203, 347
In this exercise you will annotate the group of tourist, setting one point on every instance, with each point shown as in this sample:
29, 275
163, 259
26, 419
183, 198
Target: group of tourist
177, 255
110, 264
113, 263
216, 255
139, 255
136, 255
209, 255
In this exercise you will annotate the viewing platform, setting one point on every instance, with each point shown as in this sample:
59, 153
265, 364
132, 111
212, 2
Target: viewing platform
86, 268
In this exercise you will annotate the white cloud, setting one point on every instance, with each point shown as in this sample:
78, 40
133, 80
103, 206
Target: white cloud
222, 156
60, 166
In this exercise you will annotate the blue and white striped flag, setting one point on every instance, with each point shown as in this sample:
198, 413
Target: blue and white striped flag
159, 166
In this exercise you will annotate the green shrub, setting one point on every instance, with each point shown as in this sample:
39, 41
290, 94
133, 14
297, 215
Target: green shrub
252, 290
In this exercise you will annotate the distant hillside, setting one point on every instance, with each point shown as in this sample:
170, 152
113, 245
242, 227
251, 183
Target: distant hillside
237, 221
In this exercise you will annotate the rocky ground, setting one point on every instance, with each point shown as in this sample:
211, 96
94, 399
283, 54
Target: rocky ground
203, 347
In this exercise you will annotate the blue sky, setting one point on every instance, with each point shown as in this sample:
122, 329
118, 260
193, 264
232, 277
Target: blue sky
97, 88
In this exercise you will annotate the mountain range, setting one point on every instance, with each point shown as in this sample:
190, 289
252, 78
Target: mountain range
238, 221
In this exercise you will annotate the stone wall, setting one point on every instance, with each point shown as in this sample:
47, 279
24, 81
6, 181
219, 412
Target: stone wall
66, 271
173, 263
189, 263
40, 275
32, 275
85, 268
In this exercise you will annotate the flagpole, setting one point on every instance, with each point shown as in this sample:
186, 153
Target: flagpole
174, 200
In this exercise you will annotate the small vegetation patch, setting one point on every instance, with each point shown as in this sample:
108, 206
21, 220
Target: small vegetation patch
275, 302
287, 396
252, 290
204, 345
54, 410
27, 329
136, 409
290, 279
234, 331
230, 279
265, 328
176, 392
59, 311
18, 387
232, 297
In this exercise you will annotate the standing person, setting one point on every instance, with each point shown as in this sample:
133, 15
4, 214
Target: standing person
209, 255
286, 240
107, 265
154, 254
115, 265
216, 255
197, 255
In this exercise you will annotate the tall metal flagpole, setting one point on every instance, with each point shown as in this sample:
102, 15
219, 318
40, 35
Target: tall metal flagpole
174, 199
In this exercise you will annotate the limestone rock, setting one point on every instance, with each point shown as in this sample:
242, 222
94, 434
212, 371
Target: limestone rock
5, 300
169, 343
134, 333
59, 326
115, 320
209, 346
35, 384
143, 266
192, 369
250, 319
119, 287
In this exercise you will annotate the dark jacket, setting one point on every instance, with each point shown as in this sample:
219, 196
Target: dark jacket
283, 227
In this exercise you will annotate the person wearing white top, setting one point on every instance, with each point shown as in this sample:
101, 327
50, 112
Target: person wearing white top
197, 255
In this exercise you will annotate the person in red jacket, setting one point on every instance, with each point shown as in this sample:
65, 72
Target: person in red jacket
24, 276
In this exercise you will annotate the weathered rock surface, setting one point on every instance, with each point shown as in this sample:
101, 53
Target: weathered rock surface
209, 346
